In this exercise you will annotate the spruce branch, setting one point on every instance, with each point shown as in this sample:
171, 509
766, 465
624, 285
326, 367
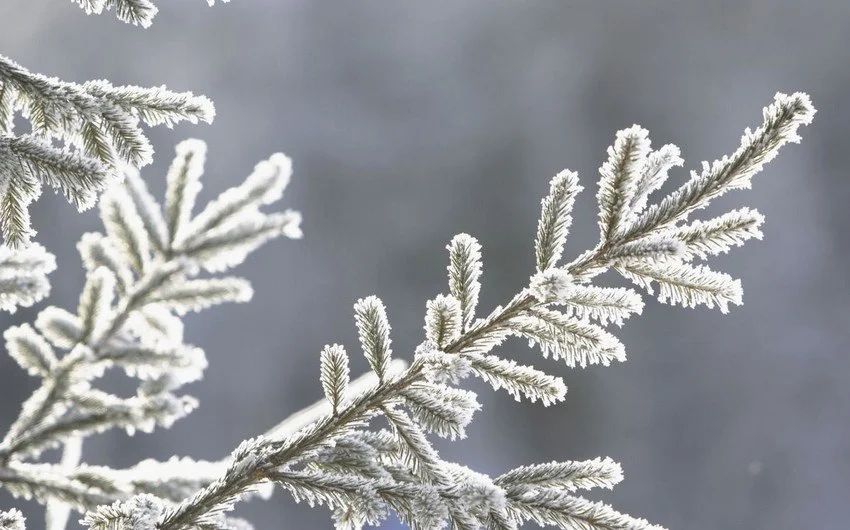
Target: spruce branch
646, 247
620, 176
443, 320
98, 130
125, 319
272, 454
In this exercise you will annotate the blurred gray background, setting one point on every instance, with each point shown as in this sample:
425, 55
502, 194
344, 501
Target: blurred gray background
412, 121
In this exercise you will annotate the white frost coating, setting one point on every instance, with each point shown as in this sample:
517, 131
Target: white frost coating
23, 276
477, 493
702, 239
465, 274
30, 350
334, 374
139, 513
264, 186
183, 185
551, 286
95, 307
443, 320
555, 219
60, 327
373, 328
442, 367
687, 285
292, 226
12, 520
654, 174
603, 304
319, 409
654, 248
125, 320
619, 176
568, 476
81, 133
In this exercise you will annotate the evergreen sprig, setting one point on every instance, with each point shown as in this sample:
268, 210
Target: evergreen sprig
139, 280
97, 126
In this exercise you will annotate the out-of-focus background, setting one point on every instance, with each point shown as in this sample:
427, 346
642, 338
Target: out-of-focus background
412, 121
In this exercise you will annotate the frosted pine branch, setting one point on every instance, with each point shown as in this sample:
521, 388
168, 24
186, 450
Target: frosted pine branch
141, 276
517, 380
418, 399
97, 125
464, 274
555, 219
441, 409
553, 508
31, 351
603, 304
125, 319
653, 175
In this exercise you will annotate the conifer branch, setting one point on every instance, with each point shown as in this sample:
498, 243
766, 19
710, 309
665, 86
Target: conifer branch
97, 125
141, 276
125, 319
781, 120
555, 219
644, 251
